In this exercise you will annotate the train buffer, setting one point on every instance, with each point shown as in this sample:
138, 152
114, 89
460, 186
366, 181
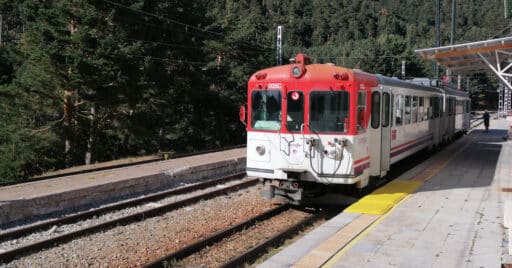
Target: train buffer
454, 210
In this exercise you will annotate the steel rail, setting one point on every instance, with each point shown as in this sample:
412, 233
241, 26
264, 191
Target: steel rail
262, 247
215, 238
20, 232
9, 255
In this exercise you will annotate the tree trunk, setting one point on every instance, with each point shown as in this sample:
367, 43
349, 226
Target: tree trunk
68, 126
161, 140
90, 141
69, 108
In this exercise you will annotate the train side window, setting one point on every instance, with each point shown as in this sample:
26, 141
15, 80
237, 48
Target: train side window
391, 107
437, 107
375, 109
294, 111
430, 109
361, 110
407, 114
399, 107
452, 106
449, 106
460, 107
414, 109
421, 109
386, 103
426, 116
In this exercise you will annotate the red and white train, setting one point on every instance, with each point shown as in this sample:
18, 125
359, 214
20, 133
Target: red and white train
311, 127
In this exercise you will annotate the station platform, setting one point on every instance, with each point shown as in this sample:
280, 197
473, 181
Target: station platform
28, 201
447, 212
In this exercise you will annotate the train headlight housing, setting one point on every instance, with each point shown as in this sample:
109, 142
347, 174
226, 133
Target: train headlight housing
296, 71
260, 149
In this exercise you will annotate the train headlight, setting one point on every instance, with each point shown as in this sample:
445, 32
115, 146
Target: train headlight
296, 71
260, 149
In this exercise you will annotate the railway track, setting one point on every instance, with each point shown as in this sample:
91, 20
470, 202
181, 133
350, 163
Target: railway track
254, 251
260, 249
139, 215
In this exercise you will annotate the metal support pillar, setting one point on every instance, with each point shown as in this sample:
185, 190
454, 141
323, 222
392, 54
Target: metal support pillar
505, 88
279, 46
501, 89
497, 70
507, 99
438, 26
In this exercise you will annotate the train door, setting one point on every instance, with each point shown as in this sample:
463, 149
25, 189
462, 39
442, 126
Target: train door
443, 118
385, 152
435, 120
375, 132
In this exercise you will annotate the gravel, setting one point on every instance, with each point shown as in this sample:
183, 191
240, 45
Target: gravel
238, 243
58, 230
138, 243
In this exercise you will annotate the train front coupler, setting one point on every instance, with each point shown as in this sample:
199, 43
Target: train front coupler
291, 191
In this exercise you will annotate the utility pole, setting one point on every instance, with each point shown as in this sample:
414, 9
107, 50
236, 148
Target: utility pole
505, 6
438, 41
452, 37
453, 22
279, 46
403, 70
1, 28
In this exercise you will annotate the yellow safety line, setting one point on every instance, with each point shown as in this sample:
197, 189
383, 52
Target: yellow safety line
323, 252
385, 198
356, 239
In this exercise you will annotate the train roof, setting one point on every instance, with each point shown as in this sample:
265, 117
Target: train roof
313, 73
389, 81
321, 73
456, 92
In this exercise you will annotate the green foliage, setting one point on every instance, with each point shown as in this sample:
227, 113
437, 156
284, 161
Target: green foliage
140, 76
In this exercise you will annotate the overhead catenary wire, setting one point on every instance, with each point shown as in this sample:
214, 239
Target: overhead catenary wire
187, 26
185, 46
161, 59
256, 49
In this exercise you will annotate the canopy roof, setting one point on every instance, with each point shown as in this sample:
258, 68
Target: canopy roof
475, 57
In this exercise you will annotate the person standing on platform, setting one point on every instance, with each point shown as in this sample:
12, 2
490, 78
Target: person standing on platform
486, 118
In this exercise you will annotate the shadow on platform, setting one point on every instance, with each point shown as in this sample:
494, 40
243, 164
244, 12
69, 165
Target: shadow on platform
474, 166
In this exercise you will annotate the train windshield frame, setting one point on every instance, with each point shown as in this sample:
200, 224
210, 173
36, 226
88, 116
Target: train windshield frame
266, 110
329, 111
295, 111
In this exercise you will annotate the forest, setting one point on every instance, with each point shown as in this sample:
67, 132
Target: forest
85, 81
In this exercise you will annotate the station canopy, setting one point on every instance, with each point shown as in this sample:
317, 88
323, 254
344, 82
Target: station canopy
494, 55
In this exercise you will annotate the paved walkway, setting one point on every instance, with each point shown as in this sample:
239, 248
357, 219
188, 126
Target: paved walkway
454, 220
26, 201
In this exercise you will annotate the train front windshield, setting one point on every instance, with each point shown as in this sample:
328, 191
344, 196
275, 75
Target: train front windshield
329, 111
266, 110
